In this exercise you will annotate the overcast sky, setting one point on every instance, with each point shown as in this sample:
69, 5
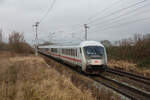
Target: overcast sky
67, 17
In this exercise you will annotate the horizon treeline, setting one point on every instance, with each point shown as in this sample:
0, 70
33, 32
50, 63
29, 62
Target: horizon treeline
135, 49
16, 43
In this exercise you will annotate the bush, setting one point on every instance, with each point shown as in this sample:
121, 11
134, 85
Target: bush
4, 46
136, 50
21, 48
17, 43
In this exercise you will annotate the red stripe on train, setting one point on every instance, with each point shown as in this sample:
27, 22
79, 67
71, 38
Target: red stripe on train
73, 59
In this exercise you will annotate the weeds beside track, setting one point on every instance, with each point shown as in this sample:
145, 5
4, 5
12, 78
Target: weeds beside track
121, 88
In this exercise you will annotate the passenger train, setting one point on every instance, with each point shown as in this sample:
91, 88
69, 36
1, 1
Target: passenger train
88, 56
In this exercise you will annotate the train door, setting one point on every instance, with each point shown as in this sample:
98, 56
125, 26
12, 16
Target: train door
71, 56
59, 53
83, 58
79, 54
75, 55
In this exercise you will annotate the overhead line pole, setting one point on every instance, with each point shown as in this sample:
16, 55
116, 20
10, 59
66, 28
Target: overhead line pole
36, 38
86, 30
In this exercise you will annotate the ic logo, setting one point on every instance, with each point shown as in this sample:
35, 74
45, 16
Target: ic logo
96, 61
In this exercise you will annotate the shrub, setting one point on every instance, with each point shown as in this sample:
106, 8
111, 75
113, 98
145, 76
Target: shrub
135, 49
17, 43
21, 48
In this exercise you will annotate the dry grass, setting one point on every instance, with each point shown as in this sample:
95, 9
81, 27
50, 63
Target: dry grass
4, 54
127, 66
30, 78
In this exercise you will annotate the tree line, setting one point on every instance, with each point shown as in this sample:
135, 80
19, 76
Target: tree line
135, 49
16, 43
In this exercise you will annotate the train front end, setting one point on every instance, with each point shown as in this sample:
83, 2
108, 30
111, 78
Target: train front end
95, 57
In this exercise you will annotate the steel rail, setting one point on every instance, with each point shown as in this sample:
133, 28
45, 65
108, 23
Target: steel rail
128, 91
135, 77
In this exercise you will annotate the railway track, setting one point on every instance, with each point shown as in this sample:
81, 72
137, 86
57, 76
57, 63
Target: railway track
135, 77
124, 89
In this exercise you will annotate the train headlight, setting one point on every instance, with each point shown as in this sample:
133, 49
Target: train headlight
89, 61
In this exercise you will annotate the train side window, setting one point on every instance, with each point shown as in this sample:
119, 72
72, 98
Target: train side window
80, 50
76, 53
67, 51
71, 52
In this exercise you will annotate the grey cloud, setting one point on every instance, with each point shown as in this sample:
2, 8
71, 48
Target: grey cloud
67, 16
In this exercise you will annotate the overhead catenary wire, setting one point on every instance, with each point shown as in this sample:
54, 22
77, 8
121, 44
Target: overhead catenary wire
118, 11
121, 17
95, 15
105, 9
110, 24
122, 24
76, 28
38, 22
48, 11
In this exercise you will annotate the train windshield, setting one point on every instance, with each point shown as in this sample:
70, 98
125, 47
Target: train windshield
94, 51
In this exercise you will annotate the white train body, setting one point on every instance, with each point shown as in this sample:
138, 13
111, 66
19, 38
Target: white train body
88, 55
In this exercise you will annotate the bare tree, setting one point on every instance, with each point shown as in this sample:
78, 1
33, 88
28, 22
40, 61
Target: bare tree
137, 38
16, 42
16, 37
